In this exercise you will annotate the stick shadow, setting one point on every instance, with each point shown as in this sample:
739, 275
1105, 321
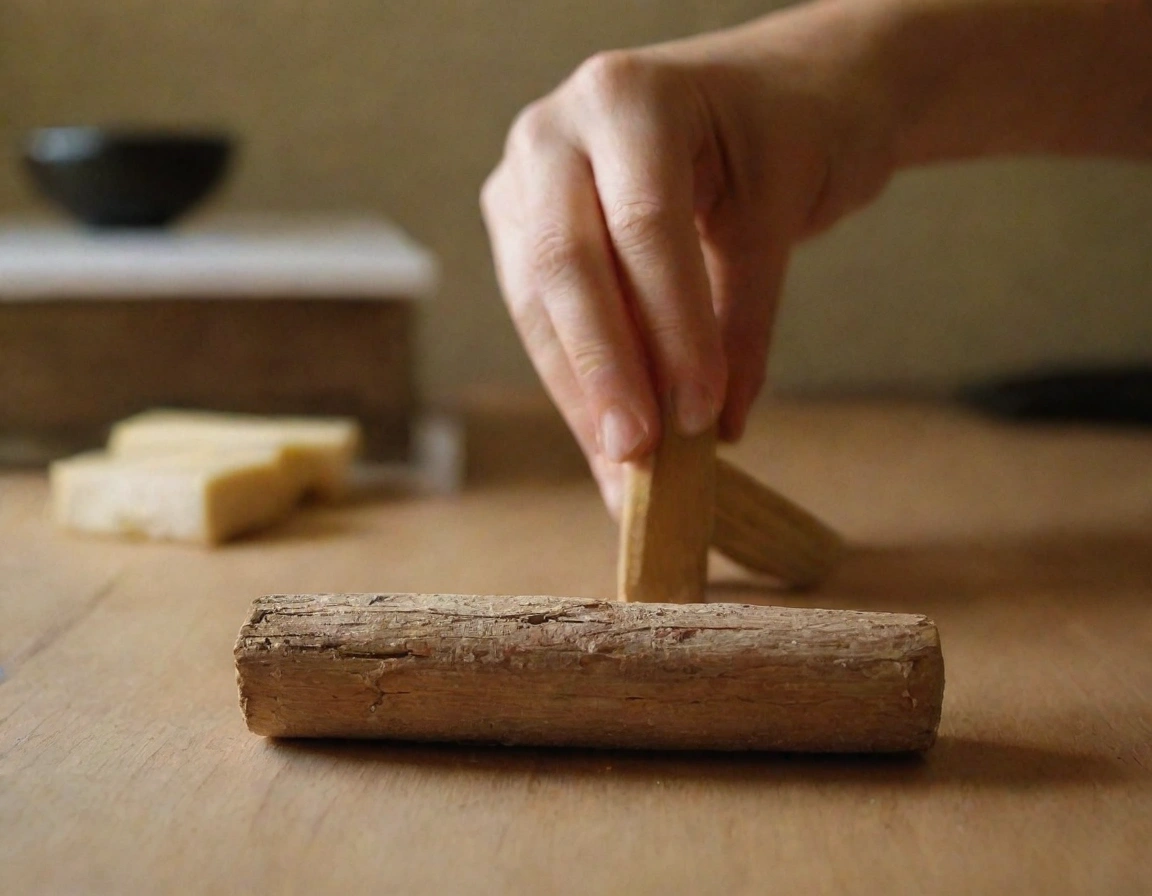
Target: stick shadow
922, 577
954, 761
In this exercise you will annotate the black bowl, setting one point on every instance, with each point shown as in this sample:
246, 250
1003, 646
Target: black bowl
126, 178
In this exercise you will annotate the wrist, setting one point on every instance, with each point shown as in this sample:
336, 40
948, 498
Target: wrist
971, 78
843, 44
813, 96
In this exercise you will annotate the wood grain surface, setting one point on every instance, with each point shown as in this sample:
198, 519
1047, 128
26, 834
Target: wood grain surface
577, 672
125, 766
666, 520
765, 532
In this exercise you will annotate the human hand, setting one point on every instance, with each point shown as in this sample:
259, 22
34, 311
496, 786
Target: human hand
643, 215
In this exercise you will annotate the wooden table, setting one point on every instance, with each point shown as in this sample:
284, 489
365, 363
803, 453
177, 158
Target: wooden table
125, 767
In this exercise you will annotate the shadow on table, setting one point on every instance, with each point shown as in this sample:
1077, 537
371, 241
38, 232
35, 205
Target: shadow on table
953, 762
919, 578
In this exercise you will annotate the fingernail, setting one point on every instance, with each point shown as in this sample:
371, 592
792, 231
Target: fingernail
612, 489
621, 433
694, 408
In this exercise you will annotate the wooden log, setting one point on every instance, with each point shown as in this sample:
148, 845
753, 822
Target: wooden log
587, 673
666, 523
766, 532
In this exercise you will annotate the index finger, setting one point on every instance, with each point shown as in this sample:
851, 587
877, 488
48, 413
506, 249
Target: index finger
643, 166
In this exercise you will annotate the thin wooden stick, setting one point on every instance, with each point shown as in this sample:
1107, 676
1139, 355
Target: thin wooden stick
587, 673
764, 531
666, 524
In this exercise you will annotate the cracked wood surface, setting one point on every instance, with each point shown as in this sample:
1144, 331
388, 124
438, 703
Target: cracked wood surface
125, 766
552, 671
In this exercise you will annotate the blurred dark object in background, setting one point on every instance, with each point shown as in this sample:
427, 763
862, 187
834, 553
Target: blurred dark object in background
1114, 395
126, 178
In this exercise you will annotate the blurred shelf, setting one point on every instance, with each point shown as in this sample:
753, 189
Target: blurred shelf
237, 257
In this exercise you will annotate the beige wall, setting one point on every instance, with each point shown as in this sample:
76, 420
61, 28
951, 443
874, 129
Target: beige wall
402, 106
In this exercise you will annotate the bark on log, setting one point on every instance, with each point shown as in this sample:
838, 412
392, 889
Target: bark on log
587, 673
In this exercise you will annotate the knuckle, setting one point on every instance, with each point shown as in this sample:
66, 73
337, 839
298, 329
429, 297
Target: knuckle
556, 255
593, 361
639, 222
532, 130
610, 75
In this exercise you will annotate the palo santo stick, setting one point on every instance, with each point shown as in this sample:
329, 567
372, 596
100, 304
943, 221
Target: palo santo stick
666, 524
764, 531
585, 673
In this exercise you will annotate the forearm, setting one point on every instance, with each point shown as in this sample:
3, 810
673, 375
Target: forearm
644, 211
990, 77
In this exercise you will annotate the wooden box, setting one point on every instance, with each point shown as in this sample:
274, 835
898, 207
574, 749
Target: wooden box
298, 320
